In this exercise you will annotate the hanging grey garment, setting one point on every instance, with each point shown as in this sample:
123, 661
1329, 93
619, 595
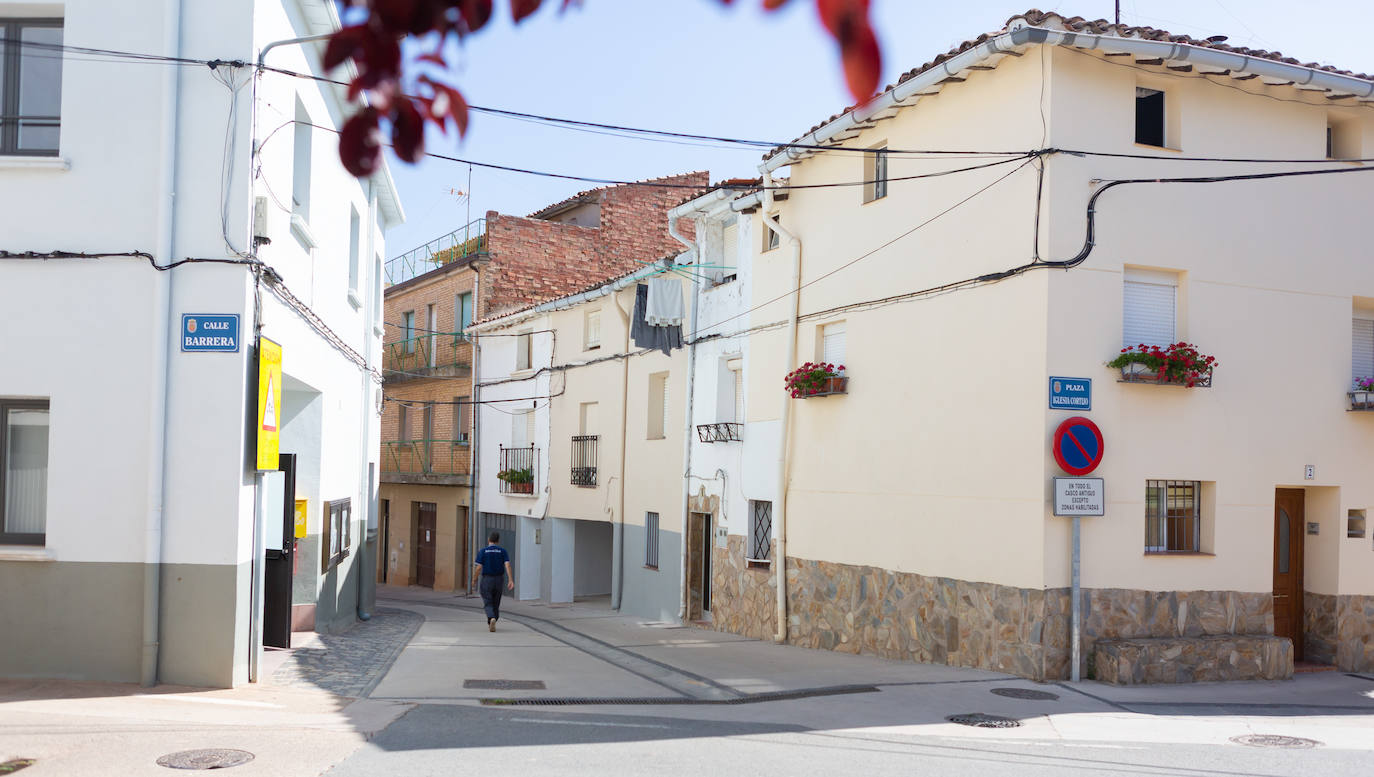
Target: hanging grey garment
663, 338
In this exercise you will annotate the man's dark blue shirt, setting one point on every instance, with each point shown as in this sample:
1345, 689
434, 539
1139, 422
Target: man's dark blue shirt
493, 559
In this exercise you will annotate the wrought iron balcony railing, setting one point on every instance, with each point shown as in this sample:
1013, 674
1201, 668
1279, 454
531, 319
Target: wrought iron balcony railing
416, 357
458, 244
584, 460
726, 431
426, 457
519, 470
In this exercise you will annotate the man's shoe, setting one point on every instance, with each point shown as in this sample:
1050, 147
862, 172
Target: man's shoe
491, 624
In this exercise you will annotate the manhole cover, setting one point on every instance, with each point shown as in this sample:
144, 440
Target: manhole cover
205, 759
504, 685
12, 766
1025, 693
979, 720
1275, 740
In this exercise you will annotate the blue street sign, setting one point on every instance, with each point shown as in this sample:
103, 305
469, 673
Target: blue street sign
210, 332
1071, 393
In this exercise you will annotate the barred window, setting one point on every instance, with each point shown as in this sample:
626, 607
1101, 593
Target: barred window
651, 540
760, 531
1173, 516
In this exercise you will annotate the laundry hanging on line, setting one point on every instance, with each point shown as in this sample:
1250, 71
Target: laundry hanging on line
665, 306
643, 335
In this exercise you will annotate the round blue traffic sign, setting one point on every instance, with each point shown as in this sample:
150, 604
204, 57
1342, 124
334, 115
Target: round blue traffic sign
1078, 446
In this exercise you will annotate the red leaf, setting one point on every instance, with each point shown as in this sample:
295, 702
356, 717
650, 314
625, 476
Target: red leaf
344, 44
476, 13
863, 62
448, 103
408, 132
360, 147
771, 5
434, 57
519, 9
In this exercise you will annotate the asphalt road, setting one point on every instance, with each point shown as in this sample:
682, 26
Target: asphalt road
438, 739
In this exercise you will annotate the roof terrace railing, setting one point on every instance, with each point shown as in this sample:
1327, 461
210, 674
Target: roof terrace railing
470, 240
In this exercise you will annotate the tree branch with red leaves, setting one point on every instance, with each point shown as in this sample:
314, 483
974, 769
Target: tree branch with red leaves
410, 103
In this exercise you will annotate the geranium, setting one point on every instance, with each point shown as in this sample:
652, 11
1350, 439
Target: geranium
1177, 363
1364, 384
811, 378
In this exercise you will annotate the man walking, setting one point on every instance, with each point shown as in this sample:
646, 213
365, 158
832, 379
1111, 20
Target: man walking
493, 564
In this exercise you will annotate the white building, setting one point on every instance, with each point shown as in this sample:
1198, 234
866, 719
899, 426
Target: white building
130, 549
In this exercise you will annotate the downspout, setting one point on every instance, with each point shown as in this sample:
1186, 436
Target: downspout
673, 217
618, 573
159, 415
369, 531
474, 450
784, 447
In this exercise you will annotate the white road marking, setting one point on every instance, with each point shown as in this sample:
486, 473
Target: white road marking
586, 723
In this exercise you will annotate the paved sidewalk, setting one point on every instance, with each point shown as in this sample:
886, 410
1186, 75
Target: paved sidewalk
350, 663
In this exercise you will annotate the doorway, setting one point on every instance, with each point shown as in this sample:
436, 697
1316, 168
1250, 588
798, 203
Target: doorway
699, 566
425, 541
1289, 530
279, 540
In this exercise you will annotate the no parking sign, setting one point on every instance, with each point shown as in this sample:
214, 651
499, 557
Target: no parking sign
1078, 446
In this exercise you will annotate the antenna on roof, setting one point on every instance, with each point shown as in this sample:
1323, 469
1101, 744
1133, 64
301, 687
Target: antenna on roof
1118, 13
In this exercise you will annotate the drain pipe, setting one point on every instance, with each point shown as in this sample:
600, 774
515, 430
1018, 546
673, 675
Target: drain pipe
162, 358
474, 450
784, 447
618, 573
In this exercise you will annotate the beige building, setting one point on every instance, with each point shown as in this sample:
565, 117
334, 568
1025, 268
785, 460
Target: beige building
917, 516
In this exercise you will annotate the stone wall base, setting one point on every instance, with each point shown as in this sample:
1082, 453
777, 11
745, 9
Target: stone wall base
1339, 630
1193, 659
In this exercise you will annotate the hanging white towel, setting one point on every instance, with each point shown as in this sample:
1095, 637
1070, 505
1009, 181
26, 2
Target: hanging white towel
665, 307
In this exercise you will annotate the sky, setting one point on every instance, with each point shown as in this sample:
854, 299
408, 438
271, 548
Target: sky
705, 67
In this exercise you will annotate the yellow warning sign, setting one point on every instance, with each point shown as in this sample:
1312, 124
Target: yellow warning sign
269, 403
300, 517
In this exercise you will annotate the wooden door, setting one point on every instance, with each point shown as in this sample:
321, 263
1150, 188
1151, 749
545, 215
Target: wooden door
425, 542
1289, 530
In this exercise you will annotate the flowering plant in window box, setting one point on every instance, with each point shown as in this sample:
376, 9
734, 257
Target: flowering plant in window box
1362, 398
1179, 364
519, 481
816, 379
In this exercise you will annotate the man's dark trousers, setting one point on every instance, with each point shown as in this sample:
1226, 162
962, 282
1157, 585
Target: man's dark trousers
491, 587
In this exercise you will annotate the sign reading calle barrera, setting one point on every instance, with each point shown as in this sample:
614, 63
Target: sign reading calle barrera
217, 332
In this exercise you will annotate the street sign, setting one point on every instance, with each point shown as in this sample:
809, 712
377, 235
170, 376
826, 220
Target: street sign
1078, 446
1071, 393
210, 332
1079, 496
269, 405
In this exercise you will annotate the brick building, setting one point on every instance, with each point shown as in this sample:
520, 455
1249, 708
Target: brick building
492, 266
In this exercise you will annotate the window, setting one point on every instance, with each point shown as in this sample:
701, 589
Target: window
651, 540
300, 176
1149, 117
338, 533
522, 351
462, 309
729, 245
1173, 516
431, 326
408, 330
403, 424
771, 239
832, 350
30, 86
354, 226
658, 406
591, 330
760, 531
24, 465
875, 173
1362, 346
730, 401
1149, 304
462, 417
522, 429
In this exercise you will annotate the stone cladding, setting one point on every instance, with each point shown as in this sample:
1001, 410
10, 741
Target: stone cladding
743, 599
1193, 659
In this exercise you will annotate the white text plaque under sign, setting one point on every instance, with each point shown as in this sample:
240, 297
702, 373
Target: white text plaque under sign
1079, 496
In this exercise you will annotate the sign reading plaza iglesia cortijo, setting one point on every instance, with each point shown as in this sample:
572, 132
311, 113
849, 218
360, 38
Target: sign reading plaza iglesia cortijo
210, 332
1071, 393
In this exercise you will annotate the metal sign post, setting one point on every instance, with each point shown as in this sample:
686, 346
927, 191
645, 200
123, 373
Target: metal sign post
1076, 615
1078, 447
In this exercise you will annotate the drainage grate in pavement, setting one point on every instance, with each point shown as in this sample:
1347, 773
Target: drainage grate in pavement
1275, 740
216, 758
753, 698
979, 720
1026, 693
14, 765
505, 685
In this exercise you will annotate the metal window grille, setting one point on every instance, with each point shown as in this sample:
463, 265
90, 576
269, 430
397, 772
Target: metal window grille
1173, 516
651, 540
760, 530
584, 460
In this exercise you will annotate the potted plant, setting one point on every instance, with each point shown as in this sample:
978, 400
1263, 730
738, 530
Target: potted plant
521, 481
1179, 364
1362, 398
816, 379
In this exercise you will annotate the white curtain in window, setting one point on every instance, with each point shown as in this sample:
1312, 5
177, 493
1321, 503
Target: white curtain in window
26, 471
1362, 354
1148, 313
832, 344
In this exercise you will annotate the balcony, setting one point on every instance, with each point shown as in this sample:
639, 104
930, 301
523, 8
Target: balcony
459, 244
584, 460
441, 354
722, 432
519, 470
442, 462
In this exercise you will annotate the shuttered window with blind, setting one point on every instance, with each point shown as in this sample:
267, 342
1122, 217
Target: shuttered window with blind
832, 344
729, 253
657, 422
1362, 353
1149, 308
738, 373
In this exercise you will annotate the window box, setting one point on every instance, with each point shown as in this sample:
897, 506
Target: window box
816, 380
1179, 364
1138, 373
1361, 400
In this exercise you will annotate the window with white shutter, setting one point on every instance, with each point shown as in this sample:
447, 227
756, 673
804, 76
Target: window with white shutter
591, 326
832, 344
1362, 352
658, 406
729, 253
737, 372
1149, 308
